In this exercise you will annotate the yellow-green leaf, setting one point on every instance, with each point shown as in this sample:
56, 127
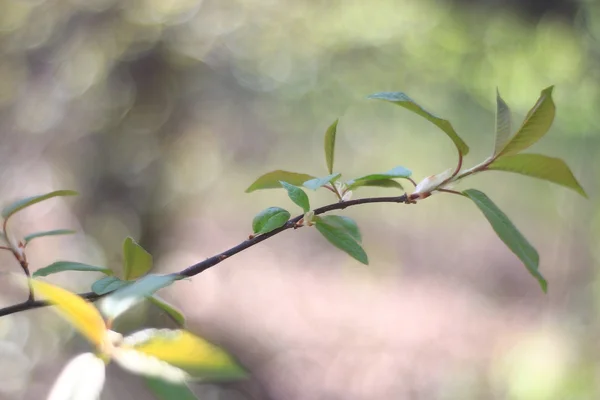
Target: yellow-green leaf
29, 201
184, 350
271, 180
537, 122
137, 261
81, 314
330, 145
539, 166
503, 123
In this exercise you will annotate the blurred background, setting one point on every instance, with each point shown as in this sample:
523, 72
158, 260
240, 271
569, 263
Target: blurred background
162, 112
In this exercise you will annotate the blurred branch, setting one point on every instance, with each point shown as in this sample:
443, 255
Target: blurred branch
216, 259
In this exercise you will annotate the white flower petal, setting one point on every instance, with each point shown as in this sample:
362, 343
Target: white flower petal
142, 364
82, 379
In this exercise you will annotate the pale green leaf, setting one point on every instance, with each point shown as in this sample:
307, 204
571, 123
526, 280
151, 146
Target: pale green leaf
29, 201
509, 234
330, 145
343, 237
403, 100
503, 123
539, 166
61, 266
385, 183
136, 261
534, 127
55, 232
271, 180
297, 195
316, 183
108, 284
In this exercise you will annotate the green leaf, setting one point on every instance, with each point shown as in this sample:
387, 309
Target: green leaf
536, 124
343, 235
316, 183
164, 390
509, 234
397, 172
61, 266
539, 166
344, 223
271, 180
270, 219
127, 296
108, 284
137, 261
385, 183
55, 232
29, 201
503, 123
170, 309
403, 100
330, 145
297, 195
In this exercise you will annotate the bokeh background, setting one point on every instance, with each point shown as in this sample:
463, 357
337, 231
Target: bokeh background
161, 113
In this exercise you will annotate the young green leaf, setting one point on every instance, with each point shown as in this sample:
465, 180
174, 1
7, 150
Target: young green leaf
539, 166
297, 195
164, 390
330, 145
385, 183
397, 172
108, 284
503, 123
170, 309
403, 100
270, 219
55, 232
509, 234
316, 183
29, 201
271, 180
344, 223
343, 235
61, 266
137, 261
537, 122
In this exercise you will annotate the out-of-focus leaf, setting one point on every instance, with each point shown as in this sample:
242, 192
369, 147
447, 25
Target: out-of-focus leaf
536, 124
270, 219
403, 100
108, 284
61, 266
137, 261
271, 180
55, 232
169, 391
82, 378
342, 235
385, 183
82, 315
148, 366
503, 124
539, 166
29, 201
127, 296
330, 145
184, 350
170, 309
316, 183
509, 234
297, 195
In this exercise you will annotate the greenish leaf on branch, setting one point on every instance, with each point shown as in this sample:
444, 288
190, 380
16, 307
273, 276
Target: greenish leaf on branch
539, 166
270, 219
61, 266
316, 183
108, 284
330, 145
397, 172
503, 123
509, 234
344, 234
136, 261
271, 180
55, 232
385, 183
175, 313
29, 201
164, 390
403, 100
297, 195
537, 122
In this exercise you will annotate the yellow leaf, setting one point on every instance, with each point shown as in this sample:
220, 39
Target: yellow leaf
182, 349
82, 315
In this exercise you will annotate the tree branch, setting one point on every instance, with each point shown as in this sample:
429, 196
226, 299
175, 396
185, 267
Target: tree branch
216, 259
